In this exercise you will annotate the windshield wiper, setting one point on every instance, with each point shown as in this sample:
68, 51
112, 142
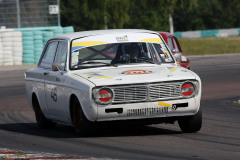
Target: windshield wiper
144, 60
91, 62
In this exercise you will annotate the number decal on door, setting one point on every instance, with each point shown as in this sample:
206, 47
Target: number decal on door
54, 94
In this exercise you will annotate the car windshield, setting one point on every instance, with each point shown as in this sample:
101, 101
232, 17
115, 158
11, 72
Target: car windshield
115, 54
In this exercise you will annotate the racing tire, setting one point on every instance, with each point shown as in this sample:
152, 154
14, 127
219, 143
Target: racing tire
41, 120
80, 122
191, 124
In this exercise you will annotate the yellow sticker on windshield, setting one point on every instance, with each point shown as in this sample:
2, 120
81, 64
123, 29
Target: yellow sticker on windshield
152, 40
78, 45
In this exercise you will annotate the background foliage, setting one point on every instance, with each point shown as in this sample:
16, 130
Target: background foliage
150, 14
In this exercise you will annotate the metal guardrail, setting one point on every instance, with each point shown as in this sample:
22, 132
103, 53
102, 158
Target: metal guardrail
27, 13
209, 33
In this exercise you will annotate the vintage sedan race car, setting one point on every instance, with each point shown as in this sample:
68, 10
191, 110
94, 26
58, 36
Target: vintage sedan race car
85, 78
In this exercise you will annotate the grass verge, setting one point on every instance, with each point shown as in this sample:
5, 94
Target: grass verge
210, 46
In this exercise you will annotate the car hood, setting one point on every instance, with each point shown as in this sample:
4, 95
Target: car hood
133, 74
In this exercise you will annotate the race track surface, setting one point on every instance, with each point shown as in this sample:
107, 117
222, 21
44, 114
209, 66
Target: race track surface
219, 137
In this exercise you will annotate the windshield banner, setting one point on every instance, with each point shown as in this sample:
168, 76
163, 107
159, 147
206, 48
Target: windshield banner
115, 38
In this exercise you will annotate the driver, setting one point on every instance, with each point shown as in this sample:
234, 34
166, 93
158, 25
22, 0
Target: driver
133, 51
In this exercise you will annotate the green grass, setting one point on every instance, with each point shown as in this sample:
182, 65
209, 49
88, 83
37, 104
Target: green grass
210, 46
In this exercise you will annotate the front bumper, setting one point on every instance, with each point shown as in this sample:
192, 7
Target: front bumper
158, 109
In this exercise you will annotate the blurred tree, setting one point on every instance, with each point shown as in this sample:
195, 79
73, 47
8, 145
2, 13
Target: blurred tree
145, 14
94, 14
116, 12
173, 5
214, 14
82, 14
150, 14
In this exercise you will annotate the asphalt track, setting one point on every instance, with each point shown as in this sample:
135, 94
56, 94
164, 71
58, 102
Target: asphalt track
219, 137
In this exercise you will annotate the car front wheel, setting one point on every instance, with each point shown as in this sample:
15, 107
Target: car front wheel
80, 122
191, 124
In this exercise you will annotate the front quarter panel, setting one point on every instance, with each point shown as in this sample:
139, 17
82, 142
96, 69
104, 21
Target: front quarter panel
82, 89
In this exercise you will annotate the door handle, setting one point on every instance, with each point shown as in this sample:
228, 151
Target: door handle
46, 73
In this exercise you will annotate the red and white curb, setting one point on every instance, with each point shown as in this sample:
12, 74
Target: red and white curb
18, 155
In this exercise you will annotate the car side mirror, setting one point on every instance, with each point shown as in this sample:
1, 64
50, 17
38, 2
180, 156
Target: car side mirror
174, 51
178, 57
56, 67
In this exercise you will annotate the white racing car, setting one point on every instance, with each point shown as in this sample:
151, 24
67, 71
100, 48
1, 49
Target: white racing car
85, 78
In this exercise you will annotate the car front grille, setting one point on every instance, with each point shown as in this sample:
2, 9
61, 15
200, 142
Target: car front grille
130, 94
147, 92
165, 90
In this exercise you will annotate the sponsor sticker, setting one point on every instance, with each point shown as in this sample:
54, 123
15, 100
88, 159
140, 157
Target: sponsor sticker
122, 38
163, 46
136, 72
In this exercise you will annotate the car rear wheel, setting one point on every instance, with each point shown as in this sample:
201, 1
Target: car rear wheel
191, 124
80, 122
41, 120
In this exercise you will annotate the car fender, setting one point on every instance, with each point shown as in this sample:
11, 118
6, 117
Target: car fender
41, 103
89, 108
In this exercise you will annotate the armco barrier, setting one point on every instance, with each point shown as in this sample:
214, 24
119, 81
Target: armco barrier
25, 45
208, 33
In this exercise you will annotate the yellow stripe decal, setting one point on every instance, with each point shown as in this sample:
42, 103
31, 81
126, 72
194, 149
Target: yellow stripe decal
88, 43
98, 75
152, 40
164, 104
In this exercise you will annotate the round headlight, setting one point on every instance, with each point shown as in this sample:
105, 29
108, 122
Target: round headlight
187, 89
103, 95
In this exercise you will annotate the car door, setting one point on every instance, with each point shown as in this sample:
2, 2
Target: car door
55, 89
44, 69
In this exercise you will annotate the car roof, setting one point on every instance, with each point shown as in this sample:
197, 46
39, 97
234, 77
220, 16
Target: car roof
74, 35
165, 33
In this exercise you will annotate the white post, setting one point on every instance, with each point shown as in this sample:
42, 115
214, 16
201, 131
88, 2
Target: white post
59, 17
105, 22
170, 22
18, 14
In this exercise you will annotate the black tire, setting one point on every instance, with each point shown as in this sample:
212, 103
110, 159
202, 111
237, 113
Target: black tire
41, 120
81, 124
191, 124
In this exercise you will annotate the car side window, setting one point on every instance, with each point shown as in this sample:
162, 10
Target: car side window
61, 54
176, 46
49, 54
170, 45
